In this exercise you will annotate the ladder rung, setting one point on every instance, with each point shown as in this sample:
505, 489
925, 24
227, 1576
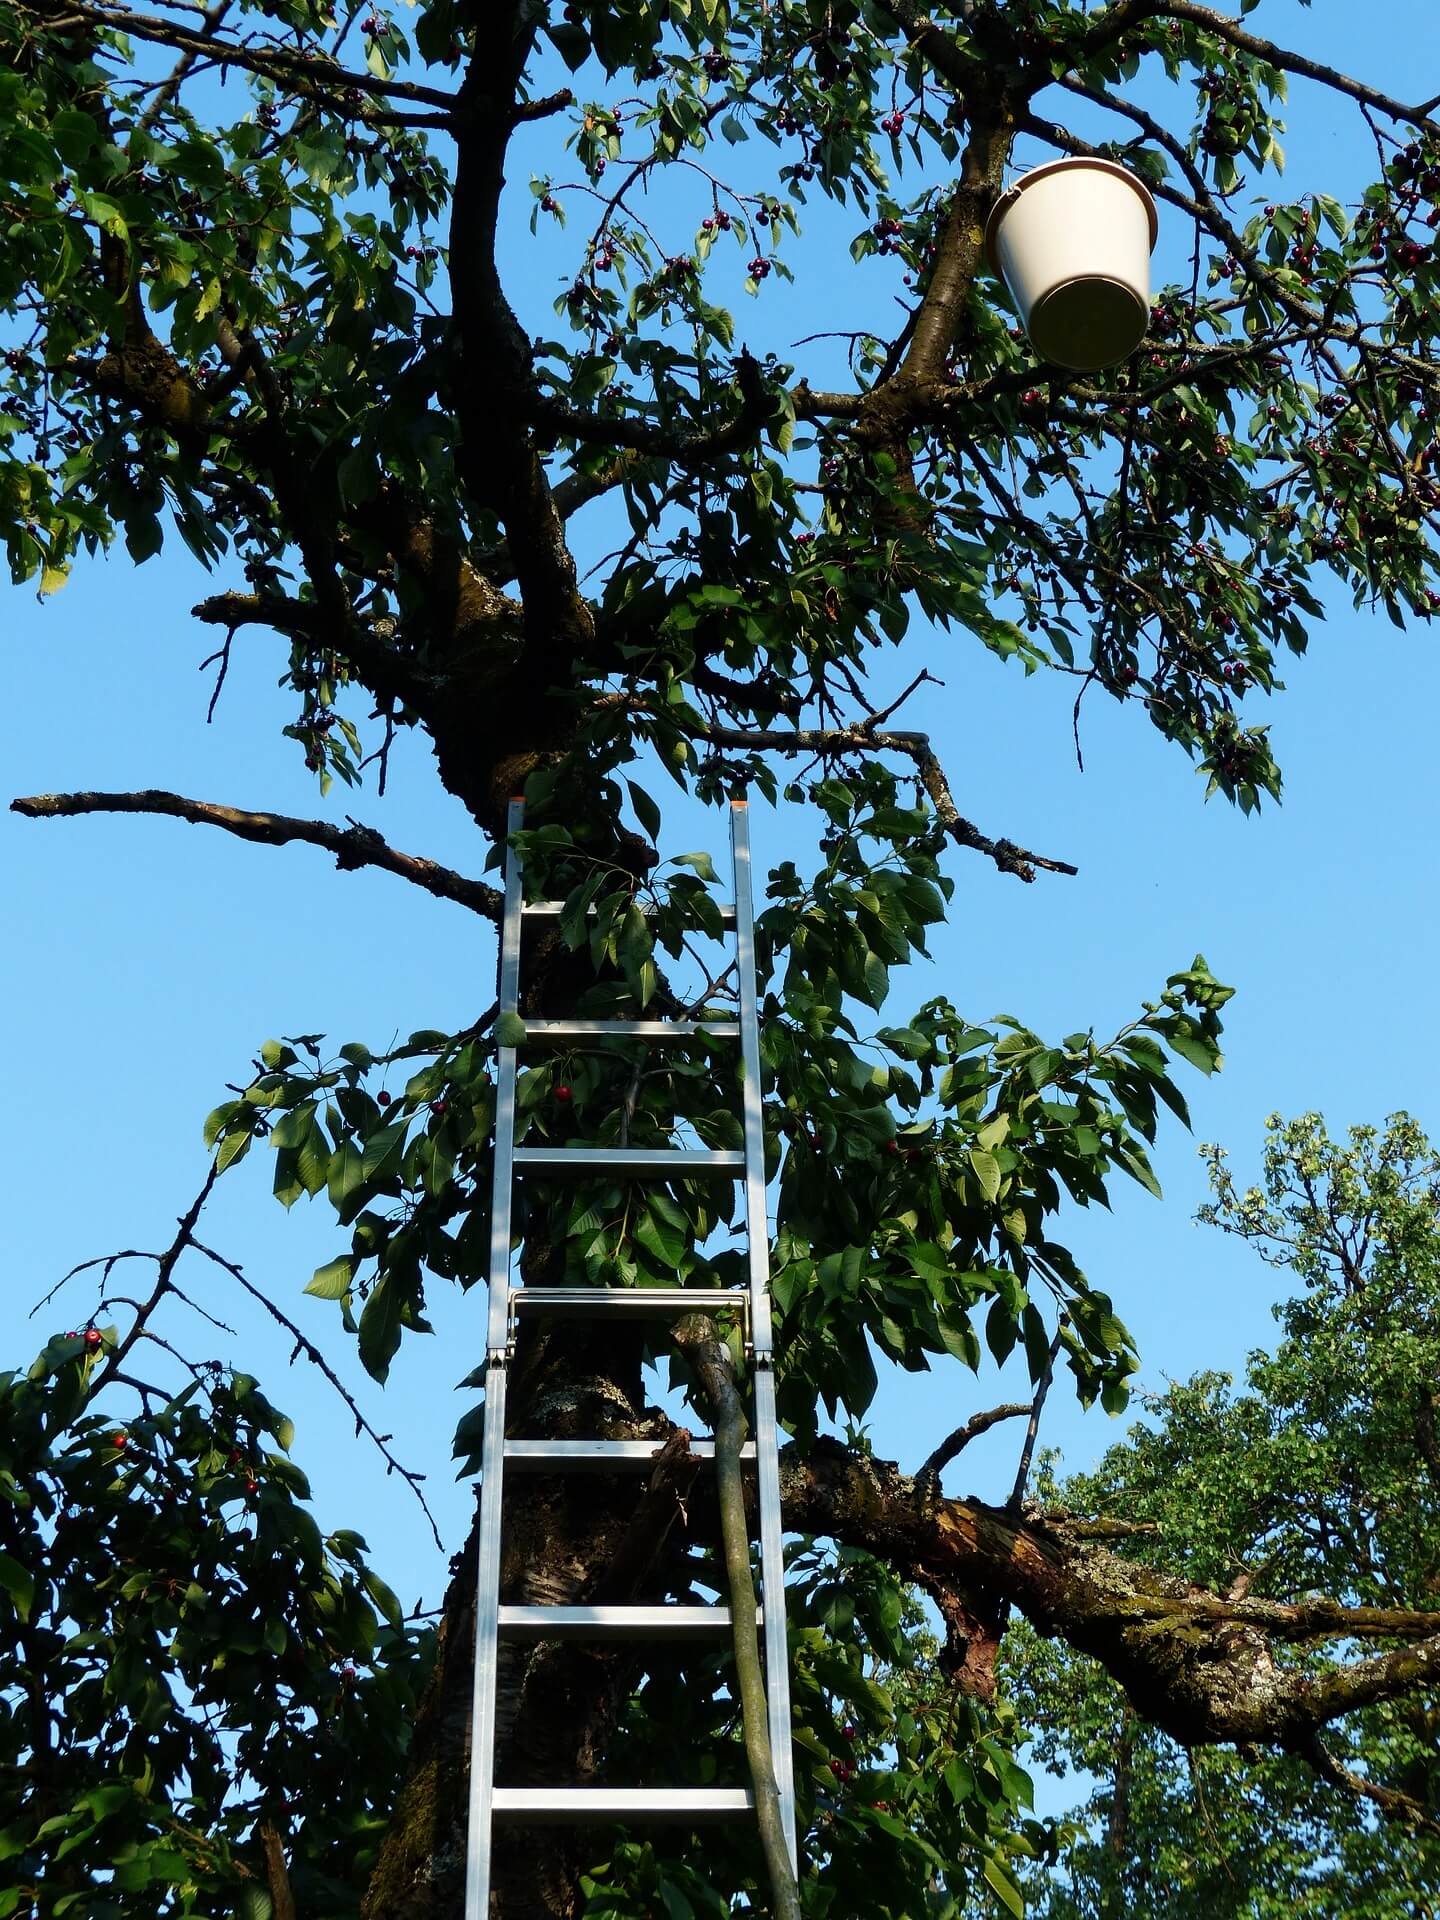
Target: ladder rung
631, 1029
560, 1806
588, 1303
614, 1623
552, 909
662, 1160
599, 1456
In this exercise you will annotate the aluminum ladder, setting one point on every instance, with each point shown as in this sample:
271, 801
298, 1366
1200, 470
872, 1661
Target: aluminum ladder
509, 1303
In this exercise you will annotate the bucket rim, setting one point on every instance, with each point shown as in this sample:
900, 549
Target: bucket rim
1097, 165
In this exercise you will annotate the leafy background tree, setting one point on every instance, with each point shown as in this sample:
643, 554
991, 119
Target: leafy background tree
200, 345
1320, 1477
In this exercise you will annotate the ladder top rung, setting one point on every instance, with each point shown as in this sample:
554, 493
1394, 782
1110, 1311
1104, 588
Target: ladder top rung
717, 1029
662, 1160
585, 1303
599, 1456
552, 909
561, 1806
672, 1622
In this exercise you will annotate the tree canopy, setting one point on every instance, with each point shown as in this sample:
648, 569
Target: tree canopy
269, 289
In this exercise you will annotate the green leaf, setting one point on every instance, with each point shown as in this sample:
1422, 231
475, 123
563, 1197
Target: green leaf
385, 1600
292, 1128
380, 1328
646, 811
383, 1149
986, 1170
347, 1173
997, 1878
510, 1030
876, 979
19, 1583
232, 1148
333, 1280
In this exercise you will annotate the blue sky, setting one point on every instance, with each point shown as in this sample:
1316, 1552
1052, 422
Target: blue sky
147, 960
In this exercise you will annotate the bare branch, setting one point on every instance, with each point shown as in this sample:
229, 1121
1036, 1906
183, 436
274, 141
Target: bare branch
542, 108
977, 1424
1390, 1800
839, 741
167, 1263
353, 846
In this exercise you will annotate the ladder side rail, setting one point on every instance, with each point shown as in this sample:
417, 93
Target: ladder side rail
757, 1226
502, 1184
492, 1457
479, 1824
767, 1439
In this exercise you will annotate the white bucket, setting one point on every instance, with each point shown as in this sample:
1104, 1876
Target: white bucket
1072, 240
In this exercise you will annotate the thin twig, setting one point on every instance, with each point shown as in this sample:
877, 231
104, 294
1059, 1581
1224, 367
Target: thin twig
840, 741
977, 1424
317, 1359
167, 1262
1022, 1472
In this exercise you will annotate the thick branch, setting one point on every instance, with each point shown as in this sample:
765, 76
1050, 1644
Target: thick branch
353, 846
496, 386
1196, 1664
277, 1876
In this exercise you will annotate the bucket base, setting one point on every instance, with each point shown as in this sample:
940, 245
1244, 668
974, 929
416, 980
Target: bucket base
1088, 323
